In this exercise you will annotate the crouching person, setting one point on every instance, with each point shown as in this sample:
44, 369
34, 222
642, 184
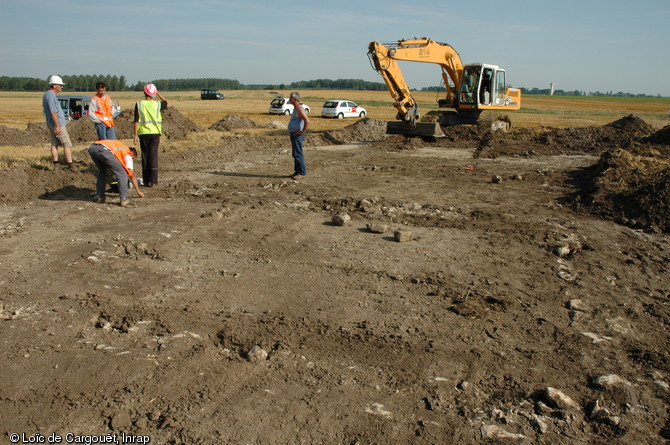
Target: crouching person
117, 157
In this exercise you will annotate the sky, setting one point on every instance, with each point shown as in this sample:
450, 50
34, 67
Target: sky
586, 45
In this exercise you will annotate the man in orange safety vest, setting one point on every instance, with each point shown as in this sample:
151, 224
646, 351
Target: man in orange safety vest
100, 111
117, 157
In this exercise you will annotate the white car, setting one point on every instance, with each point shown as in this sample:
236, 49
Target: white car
281, 105
341, 108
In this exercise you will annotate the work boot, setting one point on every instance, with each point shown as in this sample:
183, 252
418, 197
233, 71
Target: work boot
100, 199
71, 167
125, 202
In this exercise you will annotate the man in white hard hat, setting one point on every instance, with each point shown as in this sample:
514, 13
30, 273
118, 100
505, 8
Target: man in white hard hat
148, 127
55, 118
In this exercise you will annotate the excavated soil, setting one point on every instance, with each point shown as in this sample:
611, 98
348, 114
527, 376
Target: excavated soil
232, 121
479, 288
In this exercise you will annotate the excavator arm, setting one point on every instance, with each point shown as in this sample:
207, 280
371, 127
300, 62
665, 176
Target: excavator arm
383, 57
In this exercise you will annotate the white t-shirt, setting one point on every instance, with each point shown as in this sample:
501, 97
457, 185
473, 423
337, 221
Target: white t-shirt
128, 161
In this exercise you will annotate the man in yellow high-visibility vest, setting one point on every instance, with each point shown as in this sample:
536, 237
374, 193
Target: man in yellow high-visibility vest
148, 127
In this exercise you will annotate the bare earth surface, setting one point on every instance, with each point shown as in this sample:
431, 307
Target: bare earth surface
481, 289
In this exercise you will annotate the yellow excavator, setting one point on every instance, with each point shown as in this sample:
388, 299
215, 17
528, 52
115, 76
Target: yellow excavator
471, 89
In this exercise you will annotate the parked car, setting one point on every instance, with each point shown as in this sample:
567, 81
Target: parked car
210, 94
340, 109
281, 105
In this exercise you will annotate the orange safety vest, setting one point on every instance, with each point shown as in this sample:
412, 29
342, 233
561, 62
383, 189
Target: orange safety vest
120, 150
104, 109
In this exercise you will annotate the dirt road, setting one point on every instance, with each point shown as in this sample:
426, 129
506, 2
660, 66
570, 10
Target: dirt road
228, 307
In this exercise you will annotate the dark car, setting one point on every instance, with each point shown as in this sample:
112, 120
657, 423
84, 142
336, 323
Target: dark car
210, 94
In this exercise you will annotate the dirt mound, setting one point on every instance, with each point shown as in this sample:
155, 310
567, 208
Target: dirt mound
662, 136
624, 132
33, 136
595, 140
26, 183
231, 122
364, 130
630, 187
83, 130
633, 125
178, 126
278, 125
398, 142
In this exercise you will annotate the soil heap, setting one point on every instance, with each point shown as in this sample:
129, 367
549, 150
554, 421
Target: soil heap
232, 122
630, 187
364, 130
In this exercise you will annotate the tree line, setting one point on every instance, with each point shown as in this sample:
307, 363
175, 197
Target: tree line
191, 84
118, 83
86, 82
339, 84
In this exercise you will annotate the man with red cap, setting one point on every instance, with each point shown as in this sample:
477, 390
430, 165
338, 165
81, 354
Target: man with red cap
148, 127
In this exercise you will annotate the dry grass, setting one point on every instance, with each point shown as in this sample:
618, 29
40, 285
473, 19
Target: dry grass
19, 108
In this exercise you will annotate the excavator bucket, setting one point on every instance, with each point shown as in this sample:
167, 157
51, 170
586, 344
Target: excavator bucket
428, 129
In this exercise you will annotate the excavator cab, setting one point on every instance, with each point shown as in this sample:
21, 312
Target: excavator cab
483, 86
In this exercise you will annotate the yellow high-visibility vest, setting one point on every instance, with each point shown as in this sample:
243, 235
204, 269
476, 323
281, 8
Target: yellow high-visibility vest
150, 117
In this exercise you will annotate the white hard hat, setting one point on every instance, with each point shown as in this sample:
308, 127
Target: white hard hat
150, 90
55, 80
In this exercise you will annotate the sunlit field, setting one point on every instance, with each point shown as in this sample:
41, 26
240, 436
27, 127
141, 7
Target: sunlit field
17, 109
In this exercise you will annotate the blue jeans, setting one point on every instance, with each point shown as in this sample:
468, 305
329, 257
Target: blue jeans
105, 132
298, 155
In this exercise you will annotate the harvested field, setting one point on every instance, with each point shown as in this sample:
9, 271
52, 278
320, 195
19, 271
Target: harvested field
478, 288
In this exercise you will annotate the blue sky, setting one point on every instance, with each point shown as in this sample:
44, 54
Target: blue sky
590, 45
